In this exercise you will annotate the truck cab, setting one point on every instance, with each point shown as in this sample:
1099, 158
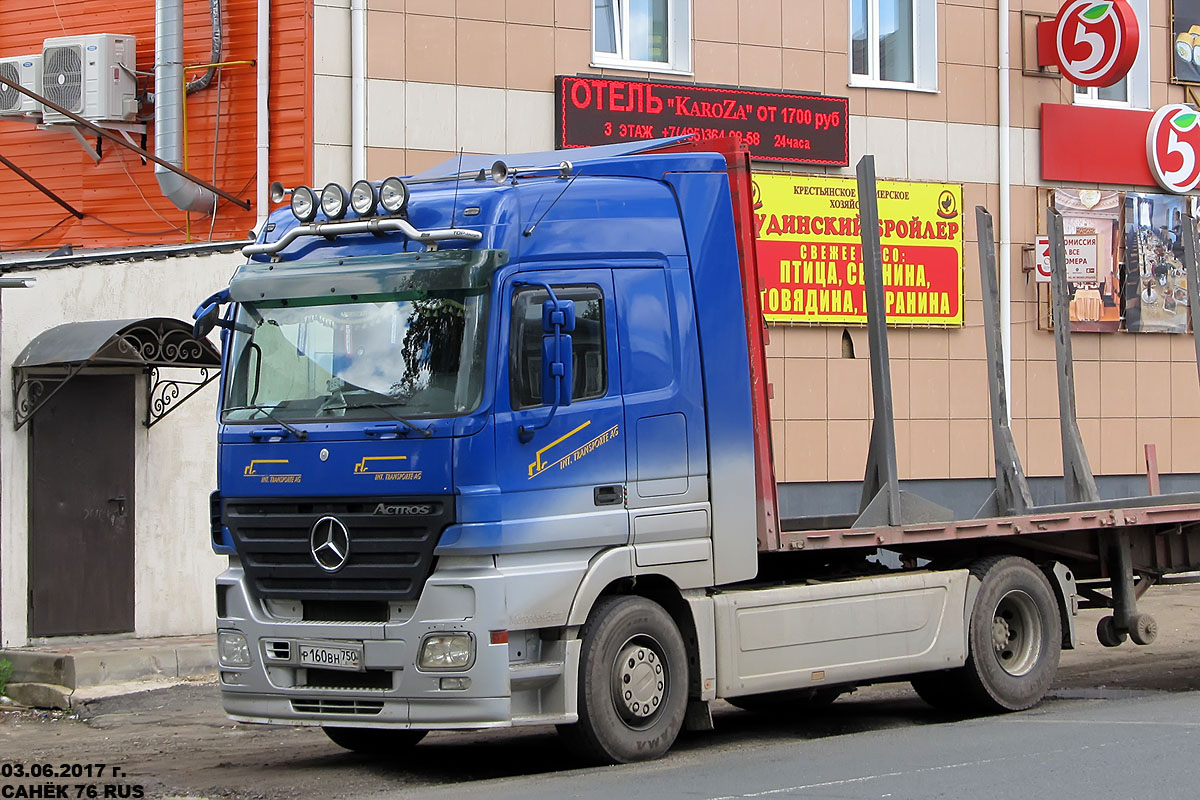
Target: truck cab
443, 444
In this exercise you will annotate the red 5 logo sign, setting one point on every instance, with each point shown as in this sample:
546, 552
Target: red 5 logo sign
1173, 148
1095, 42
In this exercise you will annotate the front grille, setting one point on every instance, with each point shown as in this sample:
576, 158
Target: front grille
318, 705
390, 556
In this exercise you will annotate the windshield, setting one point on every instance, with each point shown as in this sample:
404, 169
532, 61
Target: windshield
358, 357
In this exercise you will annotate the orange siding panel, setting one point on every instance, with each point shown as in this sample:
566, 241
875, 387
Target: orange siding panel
120, 196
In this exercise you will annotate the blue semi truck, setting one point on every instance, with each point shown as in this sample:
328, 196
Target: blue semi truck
494, 450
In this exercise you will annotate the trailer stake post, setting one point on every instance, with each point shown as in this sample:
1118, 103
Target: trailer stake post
1011, 496
1077, 472
882, 501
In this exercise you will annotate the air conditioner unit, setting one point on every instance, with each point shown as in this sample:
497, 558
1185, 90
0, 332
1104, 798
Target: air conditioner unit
25, 71
91, 76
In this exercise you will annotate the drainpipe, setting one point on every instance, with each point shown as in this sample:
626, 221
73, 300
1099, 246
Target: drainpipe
169, 97
262, 135
358, 89
1005, 208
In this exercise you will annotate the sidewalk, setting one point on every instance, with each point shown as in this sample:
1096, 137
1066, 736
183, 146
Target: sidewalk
64, 673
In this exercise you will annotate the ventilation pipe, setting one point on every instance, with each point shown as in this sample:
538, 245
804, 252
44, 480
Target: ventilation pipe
169, 97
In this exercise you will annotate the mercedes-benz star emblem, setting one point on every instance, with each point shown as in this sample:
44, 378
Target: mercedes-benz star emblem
330, 543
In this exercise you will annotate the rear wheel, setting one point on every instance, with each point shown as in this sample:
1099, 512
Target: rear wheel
374, 741
1013, 644
633, 683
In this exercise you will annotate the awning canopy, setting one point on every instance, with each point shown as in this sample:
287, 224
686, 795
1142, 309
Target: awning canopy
150, 345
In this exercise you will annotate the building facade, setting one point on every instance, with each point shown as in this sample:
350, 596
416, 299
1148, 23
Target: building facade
922, 84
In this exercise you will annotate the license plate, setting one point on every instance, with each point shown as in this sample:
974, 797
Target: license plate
331, 656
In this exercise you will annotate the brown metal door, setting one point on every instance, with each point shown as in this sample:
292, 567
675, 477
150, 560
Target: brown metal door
81, 509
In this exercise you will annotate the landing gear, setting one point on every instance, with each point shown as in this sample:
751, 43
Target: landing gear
633, 683
1013, 643
1107, 633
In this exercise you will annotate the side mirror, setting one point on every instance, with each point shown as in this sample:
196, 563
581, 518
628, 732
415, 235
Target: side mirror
206, 319
557, 365
558, 320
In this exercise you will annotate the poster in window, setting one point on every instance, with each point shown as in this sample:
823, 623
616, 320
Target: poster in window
1090, 220
1156, 299
1185, 41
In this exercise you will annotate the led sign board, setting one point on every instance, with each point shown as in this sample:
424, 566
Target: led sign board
778, 126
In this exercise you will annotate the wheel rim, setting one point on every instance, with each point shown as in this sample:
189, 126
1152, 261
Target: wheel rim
640, 681
1017, 633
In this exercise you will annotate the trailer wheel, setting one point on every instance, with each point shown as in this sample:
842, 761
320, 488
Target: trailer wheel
1143, 629
1015, 637
788, 702
633, 683
374, 741
1107, 633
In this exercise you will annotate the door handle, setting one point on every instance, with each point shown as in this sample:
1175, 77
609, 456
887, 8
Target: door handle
120, 501
609, 495
385, 431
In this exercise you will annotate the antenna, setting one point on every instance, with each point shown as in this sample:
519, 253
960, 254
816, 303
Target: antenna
564, 170
454, 204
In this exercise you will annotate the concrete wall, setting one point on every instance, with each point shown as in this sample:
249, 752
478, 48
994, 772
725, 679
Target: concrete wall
175, 460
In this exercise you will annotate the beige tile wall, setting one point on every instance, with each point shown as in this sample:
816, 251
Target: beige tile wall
478, 75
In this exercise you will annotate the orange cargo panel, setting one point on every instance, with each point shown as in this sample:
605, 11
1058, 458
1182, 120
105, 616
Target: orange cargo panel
119, 195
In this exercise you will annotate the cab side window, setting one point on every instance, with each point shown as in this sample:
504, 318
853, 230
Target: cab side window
589, 353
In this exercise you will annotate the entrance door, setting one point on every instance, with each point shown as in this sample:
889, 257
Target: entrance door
81, 509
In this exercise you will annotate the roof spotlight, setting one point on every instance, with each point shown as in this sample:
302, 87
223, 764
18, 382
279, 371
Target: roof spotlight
500, 172
363, 198
304, 204
334, 201
393, 196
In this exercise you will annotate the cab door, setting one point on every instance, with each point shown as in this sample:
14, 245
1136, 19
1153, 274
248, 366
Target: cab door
562, 475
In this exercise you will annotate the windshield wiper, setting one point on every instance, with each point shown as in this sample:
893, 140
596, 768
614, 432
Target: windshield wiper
387, 408
267, 411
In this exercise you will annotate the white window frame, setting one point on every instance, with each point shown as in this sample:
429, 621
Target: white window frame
679, 41
1137, 81
925, 50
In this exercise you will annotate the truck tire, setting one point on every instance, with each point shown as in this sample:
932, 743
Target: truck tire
374, 741
633, 683
787, 702
1013, 644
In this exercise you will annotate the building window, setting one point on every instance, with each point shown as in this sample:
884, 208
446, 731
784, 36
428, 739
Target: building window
1132, 91
651, 35
893, 43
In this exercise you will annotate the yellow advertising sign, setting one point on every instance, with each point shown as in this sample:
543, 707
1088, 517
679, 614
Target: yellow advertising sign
810, 257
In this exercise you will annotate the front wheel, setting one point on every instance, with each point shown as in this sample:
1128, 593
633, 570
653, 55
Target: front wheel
633, 683
374, 741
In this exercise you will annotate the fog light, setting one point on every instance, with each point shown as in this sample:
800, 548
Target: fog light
393, 196
363, 198
455, 683
334, 201
304, 204
232, 649
446, 651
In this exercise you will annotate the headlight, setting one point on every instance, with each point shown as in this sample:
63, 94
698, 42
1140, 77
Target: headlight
232, 649
393, 196
363, 198
304, 204
334, 201
446, 651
